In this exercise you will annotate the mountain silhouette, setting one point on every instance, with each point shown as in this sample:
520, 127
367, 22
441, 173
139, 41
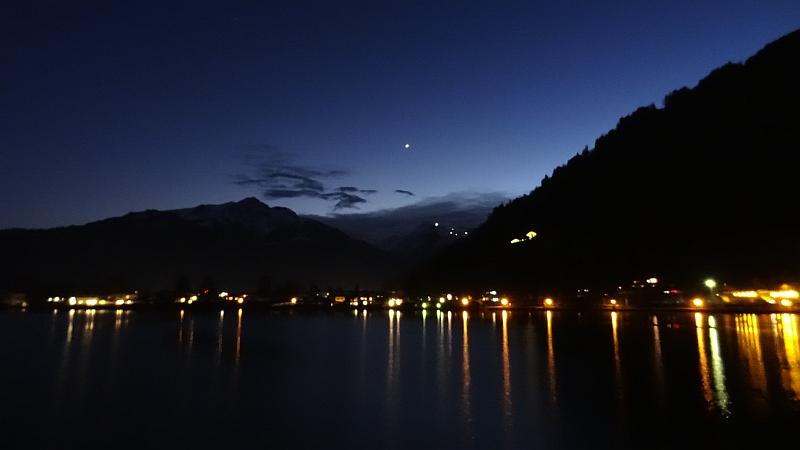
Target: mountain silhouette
237, 245
706, 185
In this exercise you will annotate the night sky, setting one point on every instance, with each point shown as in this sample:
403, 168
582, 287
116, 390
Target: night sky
126, 106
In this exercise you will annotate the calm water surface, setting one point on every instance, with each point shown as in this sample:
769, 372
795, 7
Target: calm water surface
384, 379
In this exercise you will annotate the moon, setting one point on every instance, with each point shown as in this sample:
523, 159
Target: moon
407, 146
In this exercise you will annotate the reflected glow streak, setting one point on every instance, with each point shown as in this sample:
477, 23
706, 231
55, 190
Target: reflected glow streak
747, 333
718, 372
70, 324
506, 368
659, 361
220, 335
701, 351
238, 334
465, 372
617, 359
791, 346
551, 364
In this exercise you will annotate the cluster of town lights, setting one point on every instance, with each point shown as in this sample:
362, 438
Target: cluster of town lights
528, 236
189, 301
91, 301
232, 298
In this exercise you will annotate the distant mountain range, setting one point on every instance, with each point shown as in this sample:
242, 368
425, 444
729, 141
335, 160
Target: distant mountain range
417, 231
706, 185
237, 245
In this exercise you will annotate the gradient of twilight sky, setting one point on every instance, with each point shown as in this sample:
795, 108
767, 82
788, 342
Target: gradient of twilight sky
110, 107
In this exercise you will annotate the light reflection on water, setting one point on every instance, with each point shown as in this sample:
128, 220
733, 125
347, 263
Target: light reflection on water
658, 359
705, 372
748, 337
787, 329
481, 381
617, 361
551, 359
718, 368
465, 375
507, 406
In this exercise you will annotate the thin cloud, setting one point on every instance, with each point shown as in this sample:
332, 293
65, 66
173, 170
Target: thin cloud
343, 200
401, 191
279, 179
352, 189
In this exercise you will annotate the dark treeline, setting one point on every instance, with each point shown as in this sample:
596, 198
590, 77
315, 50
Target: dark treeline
706, 185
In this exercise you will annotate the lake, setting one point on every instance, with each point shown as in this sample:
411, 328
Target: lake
397, 380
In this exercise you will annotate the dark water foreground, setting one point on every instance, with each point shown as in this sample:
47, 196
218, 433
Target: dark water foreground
106, 379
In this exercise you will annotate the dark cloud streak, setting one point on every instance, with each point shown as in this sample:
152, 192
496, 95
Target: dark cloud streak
278, 179
404, 192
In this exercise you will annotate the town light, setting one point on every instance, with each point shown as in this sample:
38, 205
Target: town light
465, 301
293, 300
710, 283
698, 302
424, 305
786, 303
613, 302
504, 301
786, 293
745, 294
548, 302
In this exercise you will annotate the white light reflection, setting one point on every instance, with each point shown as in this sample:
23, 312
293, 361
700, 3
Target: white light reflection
658, 362
718, 367
220, 323
238, 336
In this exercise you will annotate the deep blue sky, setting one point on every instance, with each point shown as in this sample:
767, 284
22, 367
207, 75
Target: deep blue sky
125, 106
